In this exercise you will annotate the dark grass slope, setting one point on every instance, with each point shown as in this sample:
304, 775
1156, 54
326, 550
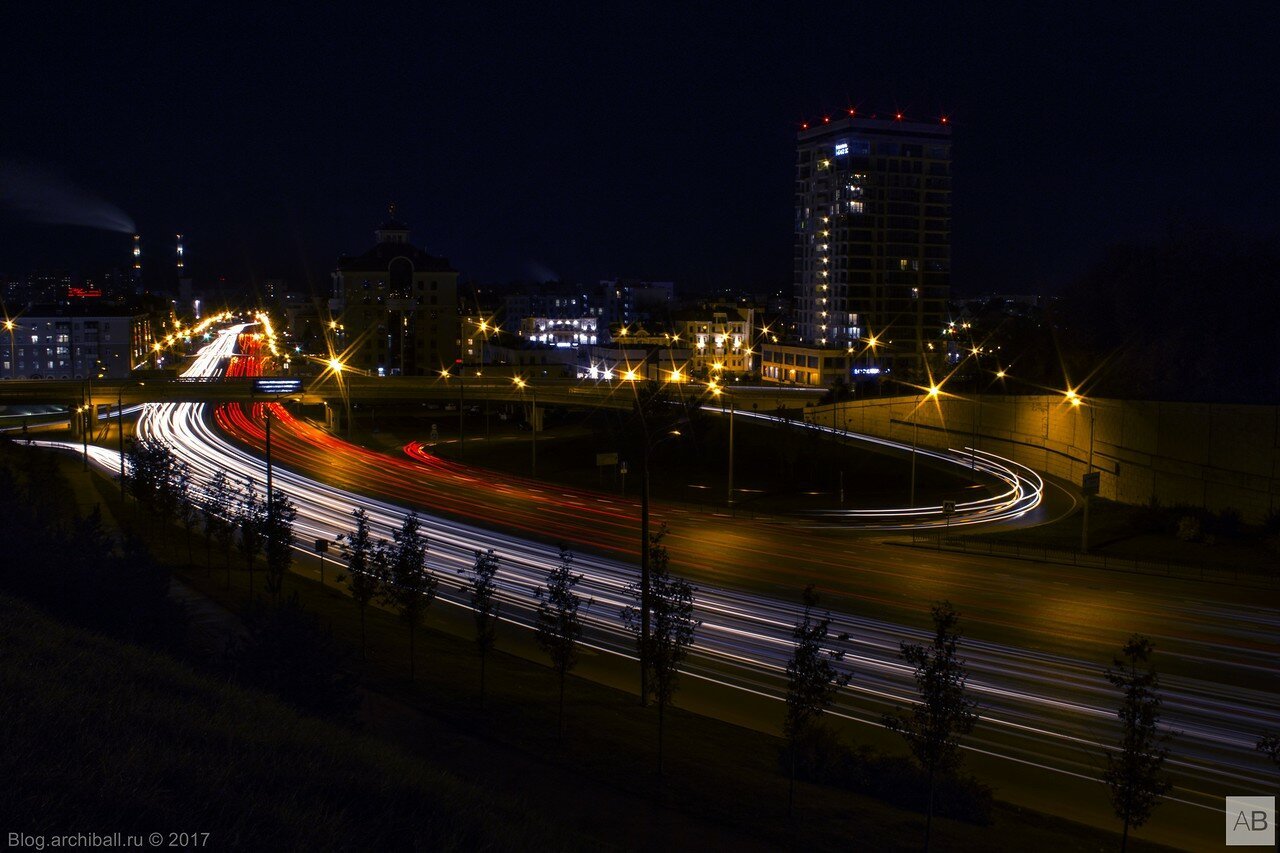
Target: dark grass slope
102, 736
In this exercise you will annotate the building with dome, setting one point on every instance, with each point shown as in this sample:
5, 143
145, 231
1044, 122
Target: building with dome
397, 306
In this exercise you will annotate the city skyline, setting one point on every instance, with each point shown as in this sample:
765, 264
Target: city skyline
522, 149
586, 427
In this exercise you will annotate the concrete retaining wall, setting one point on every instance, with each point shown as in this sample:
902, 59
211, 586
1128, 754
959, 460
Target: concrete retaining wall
1215, 456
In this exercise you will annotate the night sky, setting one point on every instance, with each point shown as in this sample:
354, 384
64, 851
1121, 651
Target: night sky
547, 141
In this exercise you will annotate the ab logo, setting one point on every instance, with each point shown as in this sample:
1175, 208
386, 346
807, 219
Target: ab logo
1251, 821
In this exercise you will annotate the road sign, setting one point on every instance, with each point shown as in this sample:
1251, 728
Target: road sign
605, 459
435, 433
277, 386
622, 467
948, 508
1089, 482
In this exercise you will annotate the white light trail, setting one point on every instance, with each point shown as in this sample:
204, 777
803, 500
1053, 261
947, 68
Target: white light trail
1047, 710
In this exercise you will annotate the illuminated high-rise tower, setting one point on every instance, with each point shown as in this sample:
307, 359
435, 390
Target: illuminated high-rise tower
873, 237
180, 258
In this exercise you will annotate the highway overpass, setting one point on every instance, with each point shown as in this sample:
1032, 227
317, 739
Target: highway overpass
330, 391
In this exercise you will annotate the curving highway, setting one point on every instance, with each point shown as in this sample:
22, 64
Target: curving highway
1036, 642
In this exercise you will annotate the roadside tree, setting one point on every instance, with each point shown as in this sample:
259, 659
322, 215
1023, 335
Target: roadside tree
672, 629
558, 627
484, 605
1135, 771
410, 587
813, 680
945, 712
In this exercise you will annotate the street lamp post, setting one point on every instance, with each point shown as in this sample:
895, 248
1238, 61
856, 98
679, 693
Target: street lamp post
120, 437
10, 326
731, 419
915, 433
336, 366
462, 433
267, 408
644, 562
915, 430
86, 422
533, 432
977, 419
533, 424
484, 340
644, 540
84, 435
1086, 485
1088, 498
717, 391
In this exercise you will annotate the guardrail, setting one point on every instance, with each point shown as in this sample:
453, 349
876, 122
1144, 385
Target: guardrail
1108, 562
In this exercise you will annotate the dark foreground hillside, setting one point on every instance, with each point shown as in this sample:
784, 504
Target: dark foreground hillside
101, 736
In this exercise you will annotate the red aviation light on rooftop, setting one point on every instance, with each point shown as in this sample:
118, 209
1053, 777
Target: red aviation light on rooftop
804, 125
944, 119
826, 119
897, 116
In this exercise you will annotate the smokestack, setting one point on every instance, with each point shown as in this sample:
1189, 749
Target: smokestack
137, 264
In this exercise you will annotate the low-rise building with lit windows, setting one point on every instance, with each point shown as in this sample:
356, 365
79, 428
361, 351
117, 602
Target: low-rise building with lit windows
720, 340
793, 364
73, 342
631, 360
560, 331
